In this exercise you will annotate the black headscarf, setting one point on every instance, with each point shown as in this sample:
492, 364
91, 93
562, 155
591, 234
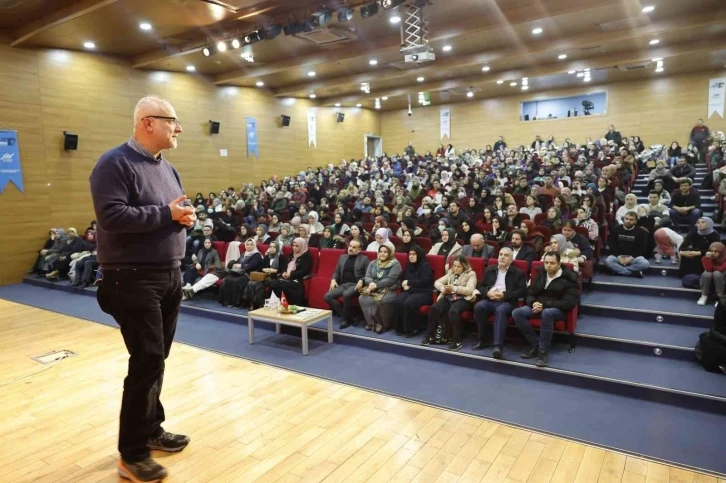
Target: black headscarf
205, 251
420, 255
446, 247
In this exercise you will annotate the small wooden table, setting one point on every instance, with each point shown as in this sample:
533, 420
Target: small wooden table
302, 320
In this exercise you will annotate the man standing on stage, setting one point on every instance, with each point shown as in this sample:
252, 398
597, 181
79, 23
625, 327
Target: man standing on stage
138, 198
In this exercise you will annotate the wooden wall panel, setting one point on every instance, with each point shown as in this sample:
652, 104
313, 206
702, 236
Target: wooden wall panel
658, 110
46, 92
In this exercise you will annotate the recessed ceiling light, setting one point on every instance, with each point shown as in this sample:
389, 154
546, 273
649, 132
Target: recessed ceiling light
337, 104
512, 84
486, 68
500, 82
571, 71
446, 48
384, 98
587, 70
311, 73
191, 68
221, 46
420, 79
235, 43
537, 31
470, 94
373, 62
562, 56
145, 26
359, 105
586, 79
656, 59
659, 69
313, 96
259, 83
378, 106
580, 74
395, 19
648, 9
524, 88
654, 42
89, 45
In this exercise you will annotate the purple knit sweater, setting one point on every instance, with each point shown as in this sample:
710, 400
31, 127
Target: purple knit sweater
130, 193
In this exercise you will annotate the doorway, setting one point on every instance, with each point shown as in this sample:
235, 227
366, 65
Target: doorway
372, 145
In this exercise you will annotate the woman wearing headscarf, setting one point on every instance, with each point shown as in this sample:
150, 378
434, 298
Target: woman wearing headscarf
302, 232
694, 248
631, 204
448, 247
714, 268
553, 220
466, 230
585, 220
204, 270
568, 252
381, 238
457, 294
407, 242
378, 290
497, 232
313, 223
330, 239
286, 236
237, 278
417, 282
358, 233
53, 239
261, 235
533, 234
339, 225
275, 224
291, 280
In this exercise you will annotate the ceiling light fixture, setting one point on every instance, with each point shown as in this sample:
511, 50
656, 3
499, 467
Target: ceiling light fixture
373, 62
648, 9
571, 71
89, 45
384, 98
388, 4
191, 68
525, 88
395, 19
145, 26
659, 70
536, 31
345, 14
654, 42
562, 56
500, 82
235, 43
253, 37
580, 74
359, 105
337, 104
206, 52
470, 94
259, 83
311, 73
420, 79
586, 79
313, 96
446, 48
221, 46
486, 68
321, 17
369, 10
587, 70
657, 59
513, 84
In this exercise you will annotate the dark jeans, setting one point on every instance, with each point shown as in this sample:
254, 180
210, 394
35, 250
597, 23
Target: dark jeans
452, 311
689, 219
349, 293
85, 269
145, 304
407, 318
547, 326
191, 275
501, 310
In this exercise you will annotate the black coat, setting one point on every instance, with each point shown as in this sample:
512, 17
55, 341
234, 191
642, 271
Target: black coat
563, 292
303, 267
527, 254
420, 277
583, 244
515, 281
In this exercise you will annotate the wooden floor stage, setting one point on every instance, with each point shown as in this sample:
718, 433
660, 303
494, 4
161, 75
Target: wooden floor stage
250, 422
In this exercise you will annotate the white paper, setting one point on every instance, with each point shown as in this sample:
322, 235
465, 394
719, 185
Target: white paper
223, 152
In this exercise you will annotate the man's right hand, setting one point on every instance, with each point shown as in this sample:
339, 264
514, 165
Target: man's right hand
333, 284
178, 211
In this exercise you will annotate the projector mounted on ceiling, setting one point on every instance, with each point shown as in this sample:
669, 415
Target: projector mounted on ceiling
420, 58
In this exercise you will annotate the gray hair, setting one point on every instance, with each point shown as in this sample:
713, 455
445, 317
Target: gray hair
146, 105
476, 236
508, 249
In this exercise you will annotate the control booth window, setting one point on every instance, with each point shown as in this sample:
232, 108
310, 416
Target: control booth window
564, 107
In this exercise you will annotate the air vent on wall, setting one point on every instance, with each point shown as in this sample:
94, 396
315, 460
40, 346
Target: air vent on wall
328, 37
9, 4
632, 67
625, 23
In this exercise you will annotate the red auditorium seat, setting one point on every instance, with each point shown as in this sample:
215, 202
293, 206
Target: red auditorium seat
320, 283
402, 259
424, 243
494, 244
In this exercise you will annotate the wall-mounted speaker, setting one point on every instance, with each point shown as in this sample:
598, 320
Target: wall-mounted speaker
285, 120
213, 127
70, 141
341, 117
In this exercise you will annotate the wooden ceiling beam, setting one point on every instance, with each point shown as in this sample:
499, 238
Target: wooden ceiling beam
391, 43
536, 47
53, 19
606, 61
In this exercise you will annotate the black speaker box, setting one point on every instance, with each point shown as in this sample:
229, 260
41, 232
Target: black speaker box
70, 141
213, 127
285, 120
341, 117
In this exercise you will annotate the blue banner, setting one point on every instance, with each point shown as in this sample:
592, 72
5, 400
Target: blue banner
10, 160
252, 137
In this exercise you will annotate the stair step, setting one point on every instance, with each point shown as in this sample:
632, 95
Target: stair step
618, 331
650, 284
671, 309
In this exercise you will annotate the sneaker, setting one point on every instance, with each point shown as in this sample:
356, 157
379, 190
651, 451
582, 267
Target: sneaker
426, 341
531, 353
658, 258
636, 274
702, 300
479, 345
146, 471
169, 442
455, 345
497, 352
541, 359
674, 260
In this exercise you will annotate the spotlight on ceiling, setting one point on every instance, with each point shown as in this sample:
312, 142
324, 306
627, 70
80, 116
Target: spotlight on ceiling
486, 68
654, 42
271, 31
500, 82
191, 68
345, 14
359, 105
221, 46
387, 4
145, 26
89, 45
373, 62
537, 31
470, 94
571, 71
206, 52
446, 48
648, 9
337, 104
321, 17
313, 96
562, 56
369, 10
235, 43
513, 84
253, 37
420, 79
311, 73
395, 19
259, 84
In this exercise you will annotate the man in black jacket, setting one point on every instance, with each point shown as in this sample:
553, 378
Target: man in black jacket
520, 251
682, 171
628, 248
349, 269
613, 135
554, 292
685, 205
501, 287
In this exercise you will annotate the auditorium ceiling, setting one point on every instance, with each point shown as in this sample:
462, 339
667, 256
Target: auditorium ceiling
476, 43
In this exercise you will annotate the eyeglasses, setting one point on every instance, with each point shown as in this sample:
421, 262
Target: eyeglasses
170, 120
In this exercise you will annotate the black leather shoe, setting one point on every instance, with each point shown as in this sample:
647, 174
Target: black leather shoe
531, 353
637, 274
344, 325
541, 359
479, 345
497, 353
426, 341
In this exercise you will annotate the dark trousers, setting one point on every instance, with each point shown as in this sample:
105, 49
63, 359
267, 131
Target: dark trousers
407, 318
501, 310
191, 275
451, 309
349, 293
85, 269
548, 316
145, 304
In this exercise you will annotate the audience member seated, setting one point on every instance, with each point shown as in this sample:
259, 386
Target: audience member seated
409, 224
61, 265
567, 251
85, 263
349, 270
340, 228
500, 289
204, 272
549, 188
457, 294
381, 238
553, 220
407, 242
581, 243
694, 248
477, 248
237, 274
330, 239
497, 233
531, 207
378, 290
261, 235
291, 280
417, 283
520, 251
683, 171
714, 268
513, 218
552, 294
466, 231
531, 234
455, 215
685, 204
286, 236
656, 210
628, 248
631, 204
358, 233
49, 253
585, 220
448, 246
